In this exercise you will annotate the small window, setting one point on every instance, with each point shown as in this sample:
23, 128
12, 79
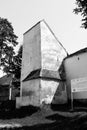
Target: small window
78, 58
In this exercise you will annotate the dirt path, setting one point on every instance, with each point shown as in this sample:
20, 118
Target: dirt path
45, 119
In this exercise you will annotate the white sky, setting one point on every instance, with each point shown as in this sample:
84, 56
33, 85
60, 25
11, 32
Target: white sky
23, 14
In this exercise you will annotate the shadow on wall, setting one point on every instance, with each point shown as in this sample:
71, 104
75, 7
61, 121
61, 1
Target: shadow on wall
60, 96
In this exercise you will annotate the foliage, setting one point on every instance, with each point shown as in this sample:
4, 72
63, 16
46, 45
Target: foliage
17, 63
8, 40
16, 67
9, 60
82, 8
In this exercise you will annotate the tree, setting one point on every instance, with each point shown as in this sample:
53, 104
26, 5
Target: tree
82, 8
18, 62
16, 67
15, 64
8, 40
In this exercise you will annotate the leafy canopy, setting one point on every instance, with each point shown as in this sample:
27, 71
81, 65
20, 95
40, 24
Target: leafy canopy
9, 60
8, 40
82, 8
17, 63
16, 67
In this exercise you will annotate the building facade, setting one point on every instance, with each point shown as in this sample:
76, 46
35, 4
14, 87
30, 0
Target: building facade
76, 74
42, 57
